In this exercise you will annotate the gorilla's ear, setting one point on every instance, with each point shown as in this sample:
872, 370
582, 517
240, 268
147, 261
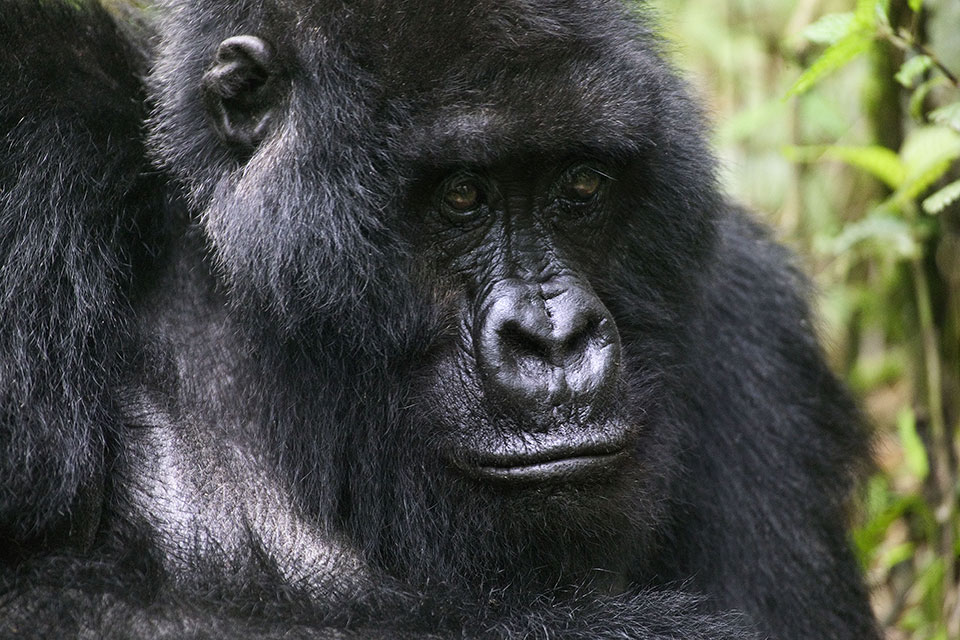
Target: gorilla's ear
239, 92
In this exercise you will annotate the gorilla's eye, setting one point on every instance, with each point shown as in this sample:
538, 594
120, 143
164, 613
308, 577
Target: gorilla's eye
582, 184
462, 195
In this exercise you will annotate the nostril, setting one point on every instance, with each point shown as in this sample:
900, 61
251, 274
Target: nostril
520, 342
580, 340
546, 349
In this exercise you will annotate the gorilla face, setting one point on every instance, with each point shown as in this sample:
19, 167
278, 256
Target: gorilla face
548, 407
517, 381
546, 402
533, 378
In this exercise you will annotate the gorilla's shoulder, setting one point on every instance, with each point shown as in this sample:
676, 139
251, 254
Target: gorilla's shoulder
75, 197
766, 361
71, 103
755, 280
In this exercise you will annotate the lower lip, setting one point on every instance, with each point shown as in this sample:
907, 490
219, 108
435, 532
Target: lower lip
571, 469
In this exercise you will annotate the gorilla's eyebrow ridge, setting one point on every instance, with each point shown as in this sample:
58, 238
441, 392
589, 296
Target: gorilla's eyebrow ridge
486, 135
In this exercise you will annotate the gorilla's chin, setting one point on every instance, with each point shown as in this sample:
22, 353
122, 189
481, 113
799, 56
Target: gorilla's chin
539, 533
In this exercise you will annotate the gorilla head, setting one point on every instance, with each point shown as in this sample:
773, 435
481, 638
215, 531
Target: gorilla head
481, 229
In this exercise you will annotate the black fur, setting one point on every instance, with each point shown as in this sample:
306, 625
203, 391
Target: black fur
241, 352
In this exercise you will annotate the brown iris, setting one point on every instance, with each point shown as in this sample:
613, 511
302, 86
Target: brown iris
582, 184
462, 196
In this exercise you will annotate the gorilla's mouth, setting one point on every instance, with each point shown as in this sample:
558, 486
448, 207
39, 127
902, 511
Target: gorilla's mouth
564, 464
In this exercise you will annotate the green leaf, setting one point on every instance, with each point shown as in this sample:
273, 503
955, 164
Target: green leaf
927, 146
927, 154
865, 9
898, 554
915, 5
867, 12
914, 453
886, 232
878, 161
920, 94
918, 183
948, 116
830, 28
912, 69
930, 578
887, 508
942, 198
835, 57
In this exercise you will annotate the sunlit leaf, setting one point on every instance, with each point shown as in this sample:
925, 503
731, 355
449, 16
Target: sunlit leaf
920, 182
920, 94
867, 11
877, 496
890, 508
878, 161
948, 116
889, 233
913, 69
830, 28
929, 145
942, 198
835, 57
898, 554
914, 453
930, 578
927, 154
915, 5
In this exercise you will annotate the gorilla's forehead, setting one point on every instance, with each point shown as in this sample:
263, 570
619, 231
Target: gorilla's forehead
455, 33
483, 134
471, 77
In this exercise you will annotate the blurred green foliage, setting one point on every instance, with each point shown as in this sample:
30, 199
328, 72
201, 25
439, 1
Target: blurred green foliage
839, 120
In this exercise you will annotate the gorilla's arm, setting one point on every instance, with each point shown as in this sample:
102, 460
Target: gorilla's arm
65, 597
71, 192
779, 447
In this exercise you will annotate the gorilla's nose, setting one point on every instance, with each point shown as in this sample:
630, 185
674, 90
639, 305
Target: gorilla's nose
552, 343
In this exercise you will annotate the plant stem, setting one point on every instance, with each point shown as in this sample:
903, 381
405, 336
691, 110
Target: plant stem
946, 511
904, 41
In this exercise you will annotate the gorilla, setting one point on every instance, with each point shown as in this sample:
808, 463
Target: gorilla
397, 319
